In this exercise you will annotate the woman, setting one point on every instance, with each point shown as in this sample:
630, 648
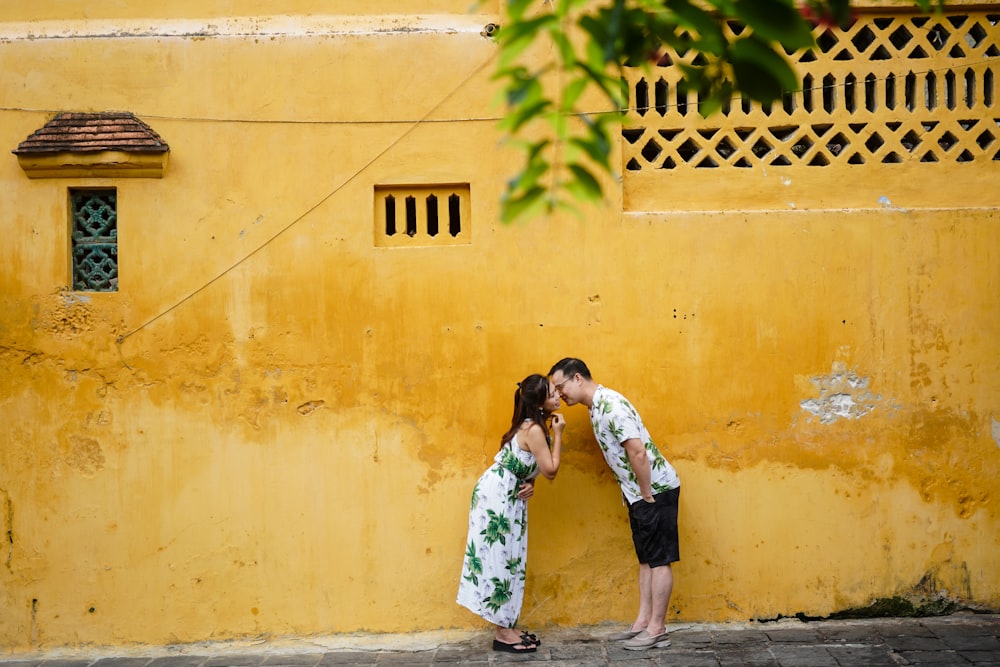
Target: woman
493, 573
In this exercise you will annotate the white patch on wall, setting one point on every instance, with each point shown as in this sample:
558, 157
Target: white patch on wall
996, 431
843, 394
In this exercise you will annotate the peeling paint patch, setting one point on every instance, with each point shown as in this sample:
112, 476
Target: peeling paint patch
240, 26
65, 313
85, 455
843, 394
309, 406
996, 430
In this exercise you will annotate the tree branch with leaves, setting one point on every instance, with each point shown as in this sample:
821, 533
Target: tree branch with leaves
567, 148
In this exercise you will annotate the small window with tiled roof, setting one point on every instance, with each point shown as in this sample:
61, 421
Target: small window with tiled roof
106, 144
93, 145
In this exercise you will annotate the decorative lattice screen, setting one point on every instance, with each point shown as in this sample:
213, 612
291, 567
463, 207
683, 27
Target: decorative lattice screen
94, 236
889, 109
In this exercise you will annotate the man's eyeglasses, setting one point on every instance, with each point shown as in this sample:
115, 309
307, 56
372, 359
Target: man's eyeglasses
560, 385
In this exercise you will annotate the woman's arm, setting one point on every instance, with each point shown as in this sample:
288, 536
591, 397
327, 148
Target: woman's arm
547, 459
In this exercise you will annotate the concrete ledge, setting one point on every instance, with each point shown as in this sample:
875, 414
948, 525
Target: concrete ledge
105, 164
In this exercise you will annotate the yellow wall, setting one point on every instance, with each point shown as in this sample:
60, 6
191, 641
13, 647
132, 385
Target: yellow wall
285, 441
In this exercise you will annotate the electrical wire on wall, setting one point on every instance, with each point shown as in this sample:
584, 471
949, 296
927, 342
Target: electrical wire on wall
413, 125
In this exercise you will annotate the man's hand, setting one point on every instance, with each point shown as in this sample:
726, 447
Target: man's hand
641, 467
527, 490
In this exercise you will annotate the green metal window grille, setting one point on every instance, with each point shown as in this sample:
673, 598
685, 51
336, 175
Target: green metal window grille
95, 240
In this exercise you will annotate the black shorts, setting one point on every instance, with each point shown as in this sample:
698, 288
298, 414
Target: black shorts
654, 529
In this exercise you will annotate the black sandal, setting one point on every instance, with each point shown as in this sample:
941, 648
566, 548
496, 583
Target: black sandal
520, 647
529, 638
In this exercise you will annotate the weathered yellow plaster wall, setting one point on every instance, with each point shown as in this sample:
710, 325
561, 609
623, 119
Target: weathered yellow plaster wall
285, 439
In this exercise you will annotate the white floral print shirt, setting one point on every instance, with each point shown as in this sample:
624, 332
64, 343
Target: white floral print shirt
614, 421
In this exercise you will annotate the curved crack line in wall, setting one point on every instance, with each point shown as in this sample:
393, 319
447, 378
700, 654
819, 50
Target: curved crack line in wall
8, 516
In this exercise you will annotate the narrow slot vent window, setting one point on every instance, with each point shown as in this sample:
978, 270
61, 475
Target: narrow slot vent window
422, 215
94, 238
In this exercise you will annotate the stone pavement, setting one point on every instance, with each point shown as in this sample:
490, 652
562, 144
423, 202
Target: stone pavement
960, 639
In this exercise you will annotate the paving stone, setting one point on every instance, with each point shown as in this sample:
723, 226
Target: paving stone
686, 658
972, 642
961, 623
66, 663
803, 656
580, 652
618, 655
500, 657
348, 658
747, 657
690, 637
869, 656
405, 658
463, 654
933, 658
965, 640
742, 637
796, 635
981, 658
916, 643
850, 634
232, 661
121, 662
178, 661
293, 660
902, 628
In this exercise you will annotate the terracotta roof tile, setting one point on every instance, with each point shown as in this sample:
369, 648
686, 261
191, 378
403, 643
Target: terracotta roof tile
91, 132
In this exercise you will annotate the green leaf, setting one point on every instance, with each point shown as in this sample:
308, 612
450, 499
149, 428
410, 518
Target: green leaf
724, 7
513, 208
529, 178
775, 21
721, 93
559, 125
596, 147
615, 88
516, 8
840, 12
709, 105
565, 48
520, 30
523, 88
761, 72
522, 114
583, 185
689, 16
535, 149
571, 93
564, 7
593, 53
516, 37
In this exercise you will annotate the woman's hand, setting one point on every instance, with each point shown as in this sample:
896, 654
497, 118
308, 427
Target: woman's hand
558, 422
527, 490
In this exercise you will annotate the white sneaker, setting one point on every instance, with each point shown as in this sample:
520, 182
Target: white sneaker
623, 635
644, 640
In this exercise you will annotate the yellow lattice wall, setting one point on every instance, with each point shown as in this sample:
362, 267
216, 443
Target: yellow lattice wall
888, 108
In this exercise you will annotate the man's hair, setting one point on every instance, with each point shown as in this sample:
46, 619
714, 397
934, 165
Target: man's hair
570, 366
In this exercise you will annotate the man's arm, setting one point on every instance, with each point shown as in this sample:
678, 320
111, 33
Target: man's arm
640, 466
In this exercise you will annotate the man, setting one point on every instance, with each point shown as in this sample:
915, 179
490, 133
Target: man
651, 489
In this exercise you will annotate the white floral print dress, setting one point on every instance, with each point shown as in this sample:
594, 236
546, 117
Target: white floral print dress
496, 552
